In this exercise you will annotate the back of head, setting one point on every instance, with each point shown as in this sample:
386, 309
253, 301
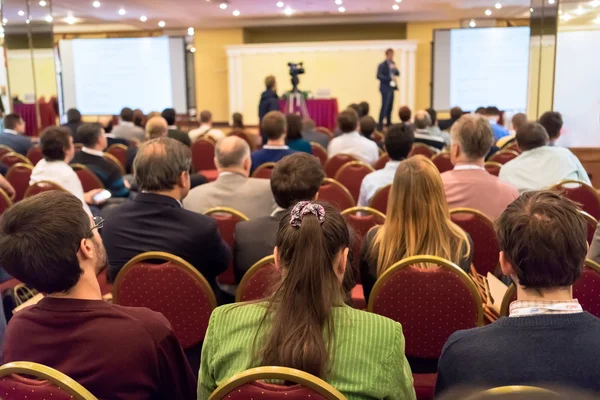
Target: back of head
364, 109
231, 152
531, 136
274, 125
492, 111
159, 164
543, 236
40, 237
205, 117
552, 121
422, 120
367, 126
481, 111
474, 136
156, 127
169, 115
89, 134
348, 120
399, 141
405, 114
270, 82
294, 126
518, 120
55, 141
73, 116
308, 125
433, 115
297, 177
456, 113
238, 120
11, 121
127, 114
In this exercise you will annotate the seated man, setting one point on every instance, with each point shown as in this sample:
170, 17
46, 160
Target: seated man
250, 196
405, 115
296, 178
170, 116
398, 143
93, 138
368, 125
552, 121
434, 129
423, 133
455, 114
351, 142
540, 166
273, 126
469, 184
206, 129
126, 129
156, 221
310, 134
116, 352
13, 135
548, 339
73, 122
493, 115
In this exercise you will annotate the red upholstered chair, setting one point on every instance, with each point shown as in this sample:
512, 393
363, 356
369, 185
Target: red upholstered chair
493, 167
5, 201
378, 137
31, 381
582, 194
264, 171
509, 297
326, 131
40, 187
10, 159
320, 152
351, 176
35, 154
512, 146
5, 149
259, 281
587, 287
227, 219
442, 162
18, 175
336, 162
250, 385
592, 225
504, 156
203, 154
380, 164
244, 136
118, 151
88, 179
336, 194
431, 304
379, 202
422, 149
174, 288
114, 160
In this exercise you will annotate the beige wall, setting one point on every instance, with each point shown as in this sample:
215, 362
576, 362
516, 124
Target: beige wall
541, 76
20, 76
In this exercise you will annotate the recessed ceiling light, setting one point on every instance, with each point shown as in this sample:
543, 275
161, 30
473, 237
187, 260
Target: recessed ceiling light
498, 6
566, 17
27, 21
21, 13
49, 18
122, 11
223, 6
191, 31
531, 10
96, 4
488, 12
192, 50
551, 1
398, 1
4, 21
70, 20
288, 11
43, 3
580, 11
396, 7
236, 13
342, 9
143, 18
280, 4
338, 2
162, 24
472, 24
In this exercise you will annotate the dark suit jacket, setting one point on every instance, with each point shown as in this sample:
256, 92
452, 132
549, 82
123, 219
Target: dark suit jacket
19, 143
154, 222
180, 136
73, 126
446, 124
384, 76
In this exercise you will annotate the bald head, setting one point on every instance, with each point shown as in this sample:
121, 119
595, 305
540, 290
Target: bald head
232, 153
156, 127
422, 120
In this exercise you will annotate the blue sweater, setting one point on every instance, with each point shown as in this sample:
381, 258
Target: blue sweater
262, 156
300, 145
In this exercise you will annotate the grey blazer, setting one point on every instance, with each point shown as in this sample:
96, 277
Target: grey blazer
128, 131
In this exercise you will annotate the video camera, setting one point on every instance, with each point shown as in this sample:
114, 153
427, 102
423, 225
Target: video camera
296, 69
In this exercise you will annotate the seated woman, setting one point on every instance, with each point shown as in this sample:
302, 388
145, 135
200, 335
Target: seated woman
238, 122
294, 134
305, 324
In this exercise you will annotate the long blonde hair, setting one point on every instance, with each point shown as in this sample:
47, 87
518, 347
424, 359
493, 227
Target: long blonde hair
417, 221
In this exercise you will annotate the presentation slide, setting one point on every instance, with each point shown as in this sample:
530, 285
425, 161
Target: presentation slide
101, 76
481, 67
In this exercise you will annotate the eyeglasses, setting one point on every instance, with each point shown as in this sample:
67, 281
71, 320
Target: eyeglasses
98, 224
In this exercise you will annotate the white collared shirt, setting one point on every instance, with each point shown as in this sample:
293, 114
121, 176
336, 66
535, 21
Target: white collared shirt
11, 131
206, 129
92, 152
375, 181
126, 123
356, 145
272, 147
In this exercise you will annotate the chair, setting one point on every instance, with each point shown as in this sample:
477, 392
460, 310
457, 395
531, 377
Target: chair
443, 162
203, 154
32, 381
379, 202
259, 281
351, 176
110, 158
118, 151
582, 194
5, 149
519, 392
227, 219
35, 154
336, 194
503, 156
378, 137
493, 167
592, 225
245, 137
5, 201
587, 286
383, 159
509, 297
249, 385
422, 149
174, 288
10, 159
40, 187
431, 304
320, 152
18, 175
88, 179
512, 146
326, 131
264, 171
336, 162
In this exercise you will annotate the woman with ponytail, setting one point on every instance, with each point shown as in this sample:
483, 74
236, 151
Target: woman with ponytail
305, 324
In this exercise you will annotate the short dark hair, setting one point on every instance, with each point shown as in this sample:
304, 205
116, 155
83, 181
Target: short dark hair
405, 114
270, 82
159, 164
364, 108
205, 117
399, 141
296, 177
169, 115
544, 237
356, 108
89, 134
12, 120
348, 120
456, 112
274, 125
127, 114
388, 51
531, 136
492, 110
432, 114
518, 120
480, 110
238, 120
54, 141
73, 116
367, 126
294, 126
553, 122
40, 237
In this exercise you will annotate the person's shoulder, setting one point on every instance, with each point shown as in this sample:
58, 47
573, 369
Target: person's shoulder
252, 225
199, 191
382, 331
259, 184
464, 340
152, 322
230, 316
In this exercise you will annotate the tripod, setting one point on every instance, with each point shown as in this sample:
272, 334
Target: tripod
295, 100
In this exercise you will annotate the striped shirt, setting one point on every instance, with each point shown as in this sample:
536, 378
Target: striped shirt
524, 304
368, 357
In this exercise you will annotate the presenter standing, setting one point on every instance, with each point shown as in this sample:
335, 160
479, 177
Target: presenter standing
387, 73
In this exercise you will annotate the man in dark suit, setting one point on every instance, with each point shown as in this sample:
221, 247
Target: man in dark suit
73, 122
455, 114
13, 135
269, 101
296, 177
387, 72
156, 221
170, 116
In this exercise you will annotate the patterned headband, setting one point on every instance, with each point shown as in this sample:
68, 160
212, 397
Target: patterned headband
303, 208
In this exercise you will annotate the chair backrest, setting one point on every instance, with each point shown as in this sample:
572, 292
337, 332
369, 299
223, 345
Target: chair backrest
587, 287
431, 303
32, 381
174, 288
325, 131
515, 393
336, 162
582, 194
422, 149
248, 385
203, 154
10, 159
592, 224
351, 176
119, 152
40, 187
379, 201
504, 156
443, 162
19, 175
34, 154
5, 149
320, 152
383, 159
493, 167
227, 219
5, 201
512, 146
264, 171
259, 281
88, 179
115, 161
509, 297
336, 194
485, 242
245, 137
378, 137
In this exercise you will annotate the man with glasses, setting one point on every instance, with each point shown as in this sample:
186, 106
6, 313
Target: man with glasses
51, 244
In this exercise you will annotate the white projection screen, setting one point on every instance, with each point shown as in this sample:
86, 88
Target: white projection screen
101, 76
481, 67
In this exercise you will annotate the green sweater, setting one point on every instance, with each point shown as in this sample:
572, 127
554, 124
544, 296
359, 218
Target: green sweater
368, 361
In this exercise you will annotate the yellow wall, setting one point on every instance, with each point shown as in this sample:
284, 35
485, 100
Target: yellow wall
20, 76
325, 33
541, 76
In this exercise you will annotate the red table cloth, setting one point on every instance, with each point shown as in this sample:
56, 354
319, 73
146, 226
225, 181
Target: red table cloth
323, 111
28, 113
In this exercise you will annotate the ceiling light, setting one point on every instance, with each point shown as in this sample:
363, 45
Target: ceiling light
280, 4
498, 6
472, 24
143, 18
70, 20
338, 2
43, 3
566, 17
192, 50
49, 18
122, 11
236, 13
4, 21
21, 13
96, 4
342, 9
580, 11
595, 3
288, 11
191, 31
551, 1
162, 24
560, 12
396, 7
398, 1
531, 10
27, 21
488, 12
223, 6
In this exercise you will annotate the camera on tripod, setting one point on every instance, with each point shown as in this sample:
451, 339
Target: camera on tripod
296, 69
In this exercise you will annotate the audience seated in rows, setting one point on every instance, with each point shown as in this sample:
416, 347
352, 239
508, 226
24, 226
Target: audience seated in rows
455, 114
13, 135
51, 244
493, 115
405, 115
417, 223
547, 339
552, 121
469, 184
398, 144
310, 134
368, 125
273, 126
540, 166
351, 142
250, 196
73, 122
424, 134
206, 129
170, 116
305, 324
294, 138
156, 221
126, 129
297, 177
